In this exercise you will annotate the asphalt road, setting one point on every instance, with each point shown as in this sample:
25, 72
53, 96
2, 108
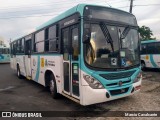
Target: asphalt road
25, 95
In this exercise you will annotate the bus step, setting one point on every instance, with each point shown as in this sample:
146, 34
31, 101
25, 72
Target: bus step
28, 77
72, 98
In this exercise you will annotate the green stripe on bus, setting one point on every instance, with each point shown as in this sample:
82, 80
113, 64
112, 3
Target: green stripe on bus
38, 69
153, 62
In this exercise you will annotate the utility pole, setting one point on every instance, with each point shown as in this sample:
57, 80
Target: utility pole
131, 5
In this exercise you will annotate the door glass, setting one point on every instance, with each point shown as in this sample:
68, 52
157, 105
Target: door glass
66, 77
75, 42
66, 59
65, 45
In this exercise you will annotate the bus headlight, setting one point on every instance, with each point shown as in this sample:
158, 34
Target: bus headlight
93, 83
138, 78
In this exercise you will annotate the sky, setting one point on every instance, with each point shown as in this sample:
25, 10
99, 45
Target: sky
21, 17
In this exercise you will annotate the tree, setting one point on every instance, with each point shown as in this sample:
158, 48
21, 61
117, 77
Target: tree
1, 40
145, 33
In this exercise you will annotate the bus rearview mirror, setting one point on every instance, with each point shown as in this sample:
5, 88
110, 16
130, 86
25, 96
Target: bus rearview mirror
87, 36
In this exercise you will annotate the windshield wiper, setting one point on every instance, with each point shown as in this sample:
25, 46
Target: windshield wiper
107, 34
125, 32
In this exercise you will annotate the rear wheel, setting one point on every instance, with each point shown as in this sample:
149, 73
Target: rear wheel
53, 87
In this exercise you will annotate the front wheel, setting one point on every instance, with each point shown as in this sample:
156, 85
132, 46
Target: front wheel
53, 87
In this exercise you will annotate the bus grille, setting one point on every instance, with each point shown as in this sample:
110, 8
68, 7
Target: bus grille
114, 76
119, 91
117, 83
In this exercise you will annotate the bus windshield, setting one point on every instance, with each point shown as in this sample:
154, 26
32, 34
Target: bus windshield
4, 50
107, 49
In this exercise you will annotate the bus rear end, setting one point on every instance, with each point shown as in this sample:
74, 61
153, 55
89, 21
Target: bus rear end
4, 54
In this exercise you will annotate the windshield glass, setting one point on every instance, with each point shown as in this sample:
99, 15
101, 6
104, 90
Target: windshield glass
129, 52
110, 52
99, 52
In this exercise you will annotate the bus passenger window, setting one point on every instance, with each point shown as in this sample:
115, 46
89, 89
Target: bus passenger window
22, 46
46, 41
143, 49
157, 48
151, 48
14, 48
51, 39
75, 42
39, 41
0, 50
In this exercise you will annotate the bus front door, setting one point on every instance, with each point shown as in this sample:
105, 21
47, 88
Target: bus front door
27, 59
70, 38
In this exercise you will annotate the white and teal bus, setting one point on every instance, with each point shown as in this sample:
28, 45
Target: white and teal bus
90, 54
150, 54
4, 54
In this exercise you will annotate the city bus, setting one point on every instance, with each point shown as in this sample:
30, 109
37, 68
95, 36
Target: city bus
89, 54
4, 54
150, 54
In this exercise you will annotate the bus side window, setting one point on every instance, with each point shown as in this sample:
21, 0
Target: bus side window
51, 39
22, 45
143, 49
75, 42
14, 48
17, 46
157, 48
39, 41
0, 50
150, 48
46, 41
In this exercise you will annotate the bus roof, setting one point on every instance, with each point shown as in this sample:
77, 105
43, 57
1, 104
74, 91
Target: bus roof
149, 41
78, 8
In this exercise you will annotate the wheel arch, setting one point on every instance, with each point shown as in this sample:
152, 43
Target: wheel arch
142, 61
47, 74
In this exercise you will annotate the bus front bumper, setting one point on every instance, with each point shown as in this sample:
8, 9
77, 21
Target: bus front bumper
92, 96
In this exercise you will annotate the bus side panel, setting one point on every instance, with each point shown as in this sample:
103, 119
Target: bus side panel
151, 61
4, 58
20, 61
13, 63
35, 67
146, 59
41, 63
155, 60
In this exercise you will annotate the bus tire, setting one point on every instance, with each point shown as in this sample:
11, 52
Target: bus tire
19, 72
53, 87
143, 65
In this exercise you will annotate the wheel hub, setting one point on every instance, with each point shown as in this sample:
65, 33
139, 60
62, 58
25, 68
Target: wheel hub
51, 86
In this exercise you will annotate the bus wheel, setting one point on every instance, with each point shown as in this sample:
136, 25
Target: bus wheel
143, 66
19, 72
53, 87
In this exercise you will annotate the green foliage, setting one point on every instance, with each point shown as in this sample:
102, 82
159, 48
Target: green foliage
145, 33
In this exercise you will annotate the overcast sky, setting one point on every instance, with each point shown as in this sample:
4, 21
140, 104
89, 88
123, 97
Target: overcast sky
20, 17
